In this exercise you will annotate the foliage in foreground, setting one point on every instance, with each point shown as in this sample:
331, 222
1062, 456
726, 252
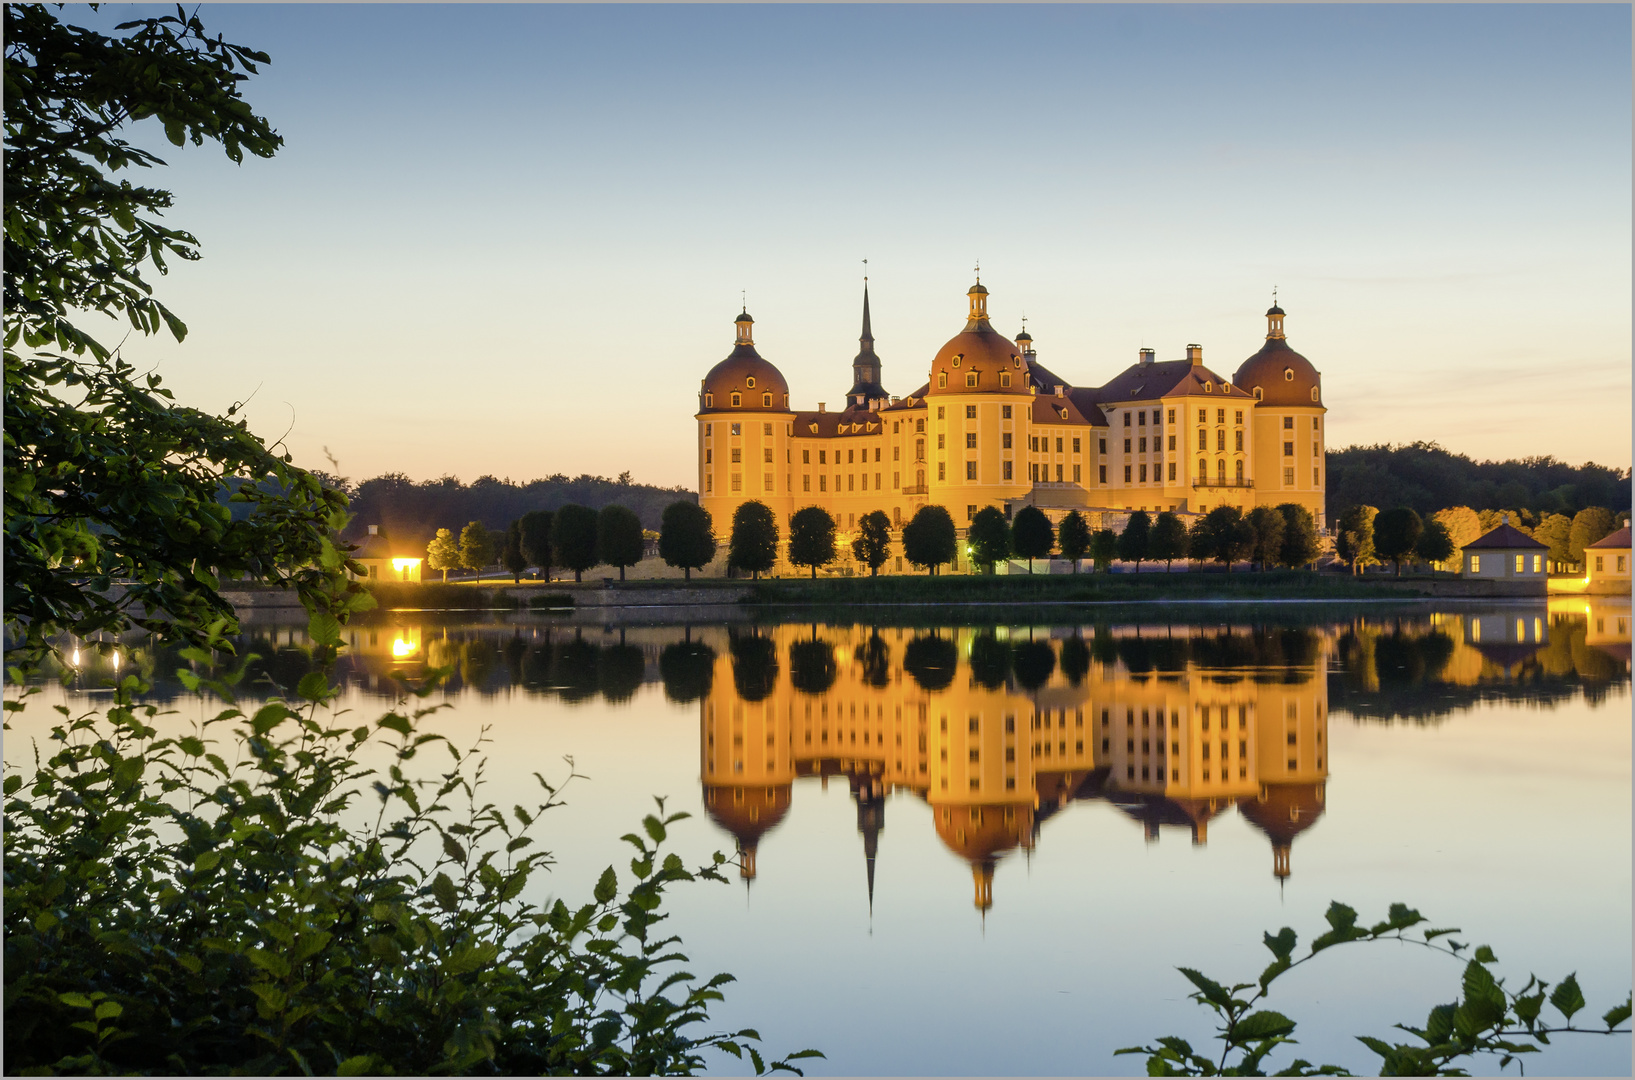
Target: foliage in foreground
1487, 1019
197, 905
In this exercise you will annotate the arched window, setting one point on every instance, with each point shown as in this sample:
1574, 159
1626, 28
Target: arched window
709, 401
737, 399
919, 477
1259, 393
1203, 469
1240, 470
766, 400
1209, 388
919, 449
1220, 469
1313, 393
942, 380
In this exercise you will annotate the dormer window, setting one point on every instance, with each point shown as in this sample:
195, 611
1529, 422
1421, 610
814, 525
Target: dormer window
1314, 393
766, 401
970, 379
1016, 361
957, 358
709, 401
1004, 378
750, 382
1288, 374
1209, 388
737, 399
1259, 393
942, 380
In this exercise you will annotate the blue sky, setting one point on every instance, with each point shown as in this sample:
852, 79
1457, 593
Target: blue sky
511, 239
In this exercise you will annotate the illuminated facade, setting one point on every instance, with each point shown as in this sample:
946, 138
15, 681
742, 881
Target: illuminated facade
384, 561
993, 427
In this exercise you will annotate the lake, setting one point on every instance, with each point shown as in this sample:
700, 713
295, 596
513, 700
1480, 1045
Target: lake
982, 845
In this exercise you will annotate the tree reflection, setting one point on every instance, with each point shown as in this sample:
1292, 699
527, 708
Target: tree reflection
876, 659
812, 666
931, 660
619, 671
754, 666
1034, 662
990, 661
1075, 660
687, 669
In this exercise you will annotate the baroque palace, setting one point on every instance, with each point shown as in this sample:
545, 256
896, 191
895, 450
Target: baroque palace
992, 426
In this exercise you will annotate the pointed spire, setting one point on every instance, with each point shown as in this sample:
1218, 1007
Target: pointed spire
866, 388
867, 339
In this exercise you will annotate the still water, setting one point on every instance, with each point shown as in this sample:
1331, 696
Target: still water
984, 849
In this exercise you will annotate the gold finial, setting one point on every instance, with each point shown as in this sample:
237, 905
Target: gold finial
865, 271
1274, 295
743, 295
979, 271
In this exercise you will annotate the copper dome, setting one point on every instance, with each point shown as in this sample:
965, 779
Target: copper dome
1277, 375
759, 386
982, 351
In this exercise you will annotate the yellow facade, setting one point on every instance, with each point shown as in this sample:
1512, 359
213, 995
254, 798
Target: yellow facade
993, 427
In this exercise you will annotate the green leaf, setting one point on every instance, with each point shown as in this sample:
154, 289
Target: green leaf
324, 629
270, 962
1283, 944
75, 1000
394, 722
1484, 955
361, 1065
1566, 997
1212, 991
443, 889
1263, 1024
452, 848
607, 887
1616, 1016
208, 860
314, 686
655, 828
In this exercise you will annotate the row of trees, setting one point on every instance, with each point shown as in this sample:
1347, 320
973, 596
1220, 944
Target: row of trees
574, 538
1366, 536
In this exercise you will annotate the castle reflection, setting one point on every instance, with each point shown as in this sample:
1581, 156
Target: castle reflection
997, 730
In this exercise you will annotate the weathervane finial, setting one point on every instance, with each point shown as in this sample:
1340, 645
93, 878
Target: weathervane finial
865, 271
979, 271
1274, 295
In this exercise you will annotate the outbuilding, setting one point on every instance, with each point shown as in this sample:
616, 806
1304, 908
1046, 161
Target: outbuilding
383, 561
1505, 552
1606, 563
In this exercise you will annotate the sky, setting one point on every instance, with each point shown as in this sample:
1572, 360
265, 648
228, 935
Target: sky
511, 239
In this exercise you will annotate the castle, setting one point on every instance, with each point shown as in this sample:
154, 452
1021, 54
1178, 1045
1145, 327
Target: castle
992, 426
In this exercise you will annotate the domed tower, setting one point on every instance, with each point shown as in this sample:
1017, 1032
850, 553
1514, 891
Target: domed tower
744, 428
980, 398
1288, 422
866, 388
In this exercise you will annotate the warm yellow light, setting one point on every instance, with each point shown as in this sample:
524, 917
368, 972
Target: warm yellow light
401, 565
401, 648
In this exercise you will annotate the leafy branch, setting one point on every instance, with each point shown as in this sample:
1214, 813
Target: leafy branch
1488, 1019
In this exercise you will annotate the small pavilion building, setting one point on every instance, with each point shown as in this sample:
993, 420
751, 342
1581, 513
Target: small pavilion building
384, 561
1506, 552
1607, 565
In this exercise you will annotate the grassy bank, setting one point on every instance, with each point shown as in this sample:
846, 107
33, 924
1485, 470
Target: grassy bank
1079, 588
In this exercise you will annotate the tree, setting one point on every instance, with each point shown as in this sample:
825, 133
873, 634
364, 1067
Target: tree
1268, 525
1396, 531
989, 538
873, 543
443, 553
1463, 526
1434, 544
929, 538
106, 478
1555, 531
536, 540
1300, 546
477, 547
811, 538
754, 542
619, 539
1198, 540
1168, 540
1073, 537
687, 537
1032, 535
1226, 536
1132, 542
573, 538
1103, 549
1589, 525
511, 556
1354, 541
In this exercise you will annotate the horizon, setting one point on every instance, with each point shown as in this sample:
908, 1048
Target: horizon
534, 254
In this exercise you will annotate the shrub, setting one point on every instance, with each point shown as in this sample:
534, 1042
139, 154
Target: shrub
168, 912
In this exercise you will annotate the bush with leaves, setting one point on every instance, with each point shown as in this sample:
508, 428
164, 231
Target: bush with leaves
1489, 1018
174, 909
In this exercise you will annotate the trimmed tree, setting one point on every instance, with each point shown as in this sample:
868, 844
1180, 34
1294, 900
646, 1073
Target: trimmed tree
573, 538
1435, 545
1354, 540
1103, 549
1227, 536
1032, 535
1268, 525
1133, 541
811, 538
929, 538
1168, 540
1396, 531
619, 539
1589, 525
1198, 541
511, 556
989, 538
1300, 546
687, 537
443, 553
873, 543
477, 547
754, 542
1073, 537
536, 540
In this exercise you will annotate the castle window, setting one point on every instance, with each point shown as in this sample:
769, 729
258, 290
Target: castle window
896, 453
823, 482
970, 440
1237, 440
1126, 418
896, 480
767, 482
1126, 474
1172, 442
707, 457
942, 412
1237, 417
1209, 388
737, 429
1007, 470
1203, 468
750, 382
1103, 474
766, 401
766, 455
849, 458
806, 457
1059, 474
942, 470
957, 358
919, 425
1126, 446
737, 455
1220, 439
1005, 410
970, 470
1143, 445
1058, 445
1288, 374
1239, 467
737, 399
1288, 423
823, 457
942, 442
1101, 446
970, 379
1143, 474
1075, 446
1261, 394
1172, 470
876, 454
1314, 393
1220, 416
970, 412
1314, 477
806, 482
1005, 441
1004, 378
1141, 418
942, 380
1203, 439
709, 484
1288, 449
737, 482
1076, 474
709, 403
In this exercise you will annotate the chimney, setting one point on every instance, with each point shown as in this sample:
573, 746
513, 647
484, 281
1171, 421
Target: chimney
1504, 519
1146, 356
1195, 354
822, 407
374, 530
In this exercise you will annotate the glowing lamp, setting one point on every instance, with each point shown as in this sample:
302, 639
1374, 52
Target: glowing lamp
401, 648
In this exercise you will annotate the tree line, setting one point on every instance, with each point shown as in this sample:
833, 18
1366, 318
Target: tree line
1426, 478
1366, 536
